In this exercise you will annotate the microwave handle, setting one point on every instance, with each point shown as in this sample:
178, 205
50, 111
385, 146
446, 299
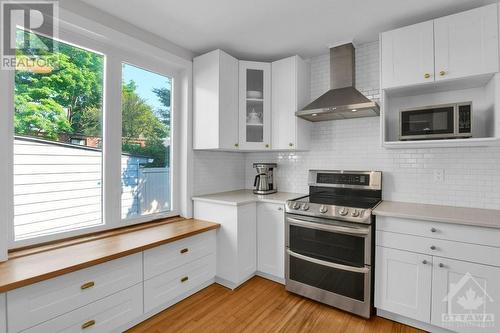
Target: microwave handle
363, 270
328, 227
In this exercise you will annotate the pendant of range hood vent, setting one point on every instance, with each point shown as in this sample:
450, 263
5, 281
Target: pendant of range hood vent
342, 101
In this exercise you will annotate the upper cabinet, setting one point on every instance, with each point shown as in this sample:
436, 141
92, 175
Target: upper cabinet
290, 92
255, 105
249, 106
215, 101
466, 44
452, 47
407, 55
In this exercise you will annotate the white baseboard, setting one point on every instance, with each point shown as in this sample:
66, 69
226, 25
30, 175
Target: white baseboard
231, 285
411, 322
270, 277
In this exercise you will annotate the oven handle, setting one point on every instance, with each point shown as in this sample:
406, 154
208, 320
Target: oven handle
363, 270
334, 228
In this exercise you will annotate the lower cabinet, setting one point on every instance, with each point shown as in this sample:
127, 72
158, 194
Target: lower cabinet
105, 315
166, 289
420, 280
464, 288
403, 283
271, 241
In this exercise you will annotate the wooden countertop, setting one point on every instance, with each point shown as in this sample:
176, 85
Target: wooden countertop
38, 266
477, 217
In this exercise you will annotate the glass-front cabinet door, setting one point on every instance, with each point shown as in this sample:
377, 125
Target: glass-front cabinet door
255, 105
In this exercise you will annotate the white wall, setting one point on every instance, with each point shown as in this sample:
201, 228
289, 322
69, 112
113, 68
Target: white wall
472, 175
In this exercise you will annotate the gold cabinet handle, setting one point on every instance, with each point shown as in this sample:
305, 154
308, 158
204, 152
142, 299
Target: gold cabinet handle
290, 144
87, 285
442, 73
184, 279
88, 324
267, 145
184, 250
427, 75
236, 145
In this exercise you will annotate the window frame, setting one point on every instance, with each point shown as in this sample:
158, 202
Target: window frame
114, 56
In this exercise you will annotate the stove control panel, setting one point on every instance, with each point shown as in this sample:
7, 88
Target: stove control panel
329, 211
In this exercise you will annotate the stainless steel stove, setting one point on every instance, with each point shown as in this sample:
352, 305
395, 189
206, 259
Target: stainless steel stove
329, 239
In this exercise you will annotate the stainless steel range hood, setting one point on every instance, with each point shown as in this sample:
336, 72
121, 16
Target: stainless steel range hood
342, 101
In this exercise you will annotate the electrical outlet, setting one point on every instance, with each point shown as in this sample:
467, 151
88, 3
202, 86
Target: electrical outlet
438, 176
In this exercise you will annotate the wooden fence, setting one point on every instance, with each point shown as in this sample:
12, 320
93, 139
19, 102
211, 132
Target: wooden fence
58, 187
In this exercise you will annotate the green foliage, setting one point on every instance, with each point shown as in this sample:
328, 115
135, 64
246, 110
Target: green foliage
163, 95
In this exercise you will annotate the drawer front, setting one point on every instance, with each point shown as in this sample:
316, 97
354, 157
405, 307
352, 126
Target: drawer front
164, 288
440, 248
170, 256
439, 230
105, 315
45, 300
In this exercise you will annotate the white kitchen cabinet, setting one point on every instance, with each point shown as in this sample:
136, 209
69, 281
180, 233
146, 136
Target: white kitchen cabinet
38, 302
460, 287
402, 283
106, 315
3, 314
236, 239
271, 241
290, 92
215, 101
466, 44
407, 55
254, 105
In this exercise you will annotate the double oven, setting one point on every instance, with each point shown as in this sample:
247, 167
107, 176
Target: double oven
329, 252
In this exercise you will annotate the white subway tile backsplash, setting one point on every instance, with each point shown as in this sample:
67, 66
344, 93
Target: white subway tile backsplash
471, 175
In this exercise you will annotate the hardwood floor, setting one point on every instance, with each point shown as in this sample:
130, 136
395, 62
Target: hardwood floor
260, 305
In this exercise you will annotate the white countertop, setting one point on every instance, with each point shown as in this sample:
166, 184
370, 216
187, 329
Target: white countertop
241, 197
477, 217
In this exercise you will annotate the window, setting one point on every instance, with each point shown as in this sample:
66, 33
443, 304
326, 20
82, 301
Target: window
75, 169
146, 142
58, 185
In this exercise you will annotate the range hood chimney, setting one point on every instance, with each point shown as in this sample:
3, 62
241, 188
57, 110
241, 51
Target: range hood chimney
342, 101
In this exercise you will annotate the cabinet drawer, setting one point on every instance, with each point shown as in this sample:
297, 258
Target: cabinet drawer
45, 300
105, 315
165, 288
440, 248
169, 256
453, 232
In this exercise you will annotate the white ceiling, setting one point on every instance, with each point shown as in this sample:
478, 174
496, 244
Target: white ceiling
270, 29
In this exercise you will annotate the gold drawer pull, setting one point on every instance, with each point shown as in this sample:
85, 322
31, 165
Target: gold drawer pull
442, 73
87, 285
427, 75
88, 324
184, 279
184, 250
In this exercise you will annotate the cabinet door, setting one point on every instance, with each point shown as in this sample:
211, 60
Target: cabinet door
403, 283
247, 241
271, 240
3, 314
407, 55
466, 43
255, 105
459, 288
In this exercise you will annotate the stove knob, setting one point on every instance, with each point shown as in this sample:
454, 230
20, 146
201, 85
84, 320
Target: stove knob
355, 213
296, 205
323, 209
305, 207
344, 211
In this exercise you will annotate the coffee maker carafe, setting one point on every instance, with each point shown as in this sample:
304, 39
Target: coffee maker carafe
264, 183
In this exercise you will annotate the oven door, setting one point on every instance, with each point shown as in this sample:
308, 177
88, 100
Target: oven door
329, 261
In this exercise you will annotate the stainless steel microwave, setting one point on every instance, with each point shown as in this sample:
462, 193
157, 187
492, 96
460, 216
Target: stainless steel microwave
445, 121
